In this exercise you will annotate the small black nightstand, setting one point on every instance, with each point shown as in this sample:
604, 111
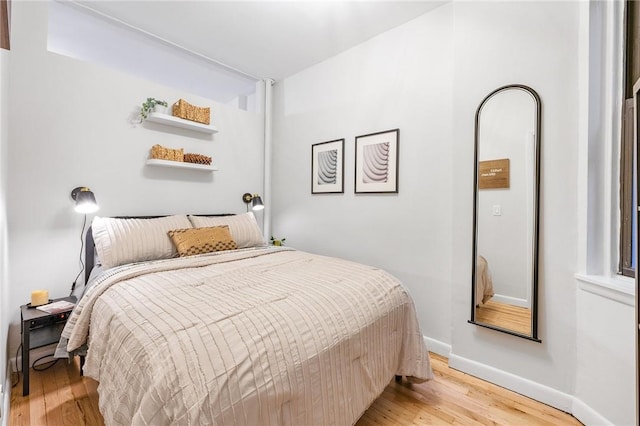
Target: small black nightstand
39, 329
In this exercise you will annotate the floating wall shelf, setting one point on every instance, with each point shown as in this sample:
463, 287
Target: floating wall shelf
180, 165
170, 120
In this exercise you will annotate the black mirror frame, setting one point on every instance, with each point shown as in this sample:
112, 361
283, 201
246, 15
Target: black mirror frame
534, 290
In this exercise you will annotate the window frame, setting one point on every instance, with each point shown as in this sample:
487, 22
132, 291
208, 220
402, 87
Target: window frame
631, 67
627, 210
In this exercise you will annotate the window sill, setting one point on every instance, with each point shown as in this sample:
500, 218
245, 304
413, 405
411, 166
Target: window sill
619, 288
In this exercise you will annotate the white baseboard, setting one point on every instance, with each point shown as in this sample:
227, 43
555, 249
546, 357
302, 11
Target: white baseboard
537, 391
508, 300
555, 398
438, 347
588, 415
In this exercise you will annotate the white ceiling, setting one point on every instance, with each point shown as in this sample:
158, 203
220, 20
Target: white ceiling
265, 39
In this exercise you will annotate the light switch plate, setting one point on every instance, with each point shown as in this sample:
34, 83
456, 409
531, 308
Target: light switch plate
497, 210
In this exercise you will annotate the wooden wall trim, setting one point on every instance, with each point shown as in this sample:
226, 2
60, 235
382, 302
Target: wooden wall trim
632, 42
4, 24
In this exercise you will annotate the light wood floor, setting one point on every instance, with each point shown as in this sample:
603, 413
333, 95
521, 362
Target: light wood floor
506, 316
60, 396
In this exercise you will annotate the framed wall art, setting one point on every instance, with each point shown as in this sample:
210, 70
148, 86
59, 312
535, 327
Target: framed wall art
377, 162
327, 167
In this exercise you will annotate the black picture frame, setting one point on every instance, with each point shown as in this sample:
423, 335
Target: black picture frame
327, 167
377, 162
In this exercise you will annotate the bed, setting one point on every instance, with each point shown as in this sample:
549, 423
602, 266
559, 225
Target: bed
484, 282
244, 335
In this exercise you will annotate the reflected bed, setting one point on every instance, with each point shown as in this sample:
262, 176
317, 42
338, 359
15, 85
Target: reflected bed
484, 282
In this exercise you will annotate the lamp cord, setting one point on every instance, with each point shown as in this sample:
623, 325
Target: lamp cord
73, 285
34, 364
14, 384
51, 363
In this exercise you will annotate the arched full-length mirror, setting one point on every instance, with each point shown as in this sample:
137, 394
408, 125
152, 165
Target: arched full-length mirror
506, 199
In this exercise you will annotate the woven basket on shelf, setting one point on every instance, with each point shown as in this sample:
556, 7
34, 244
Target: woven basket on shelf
184, 109
159, 152
197, 158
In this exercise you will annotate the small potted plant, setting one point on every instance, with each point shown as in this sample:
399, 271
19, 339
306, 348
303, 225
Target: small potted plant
152, 104
277, 241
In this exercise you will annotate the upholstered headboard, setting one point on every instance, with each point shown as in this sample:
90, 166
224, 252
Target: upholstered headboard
90, 246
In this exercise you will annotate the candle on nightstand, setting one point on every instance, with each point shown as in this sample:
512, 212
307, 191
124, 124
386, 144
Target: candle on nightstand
39, 297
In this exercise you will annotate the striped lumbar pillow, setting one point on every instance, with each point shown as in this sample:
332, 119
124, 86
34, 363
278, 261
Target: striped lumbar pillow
119, 241
244, 228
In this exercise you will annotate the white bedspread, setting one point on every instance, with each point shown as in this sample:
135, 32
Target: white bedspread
249, 337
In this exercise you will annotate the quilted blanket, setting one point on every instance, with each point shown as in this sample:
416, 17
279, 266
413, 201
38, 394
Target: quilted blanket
269, 336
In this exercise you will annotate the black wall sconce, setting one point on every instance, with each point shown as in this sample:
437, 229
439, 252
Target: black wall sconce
254, 199
85, 203
85, 200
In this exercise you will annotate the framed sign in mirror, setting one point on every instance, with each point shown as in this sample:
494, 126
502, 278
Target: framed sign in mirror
506, 210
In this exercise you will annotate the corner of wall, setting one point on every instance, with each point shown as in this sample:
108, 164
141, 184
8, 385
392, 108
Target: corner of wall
437, 347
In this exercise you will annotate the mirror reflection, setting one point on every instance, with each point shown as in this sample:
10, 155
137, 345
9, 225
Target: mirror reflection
506, 211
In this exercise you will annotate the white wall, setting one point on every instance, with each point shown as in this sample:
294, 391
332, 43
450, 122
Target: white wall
605, 365
69, 126
533, 44
401, 79
570, 358
605, 335
427, 78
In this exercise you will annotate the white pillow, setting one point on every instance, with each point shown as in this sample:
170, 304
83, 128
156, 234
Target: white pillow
120, 241
244, 228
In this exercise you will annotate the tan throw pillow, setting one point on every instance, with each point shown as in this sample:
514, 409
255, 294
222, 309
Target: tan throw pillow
202, 240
